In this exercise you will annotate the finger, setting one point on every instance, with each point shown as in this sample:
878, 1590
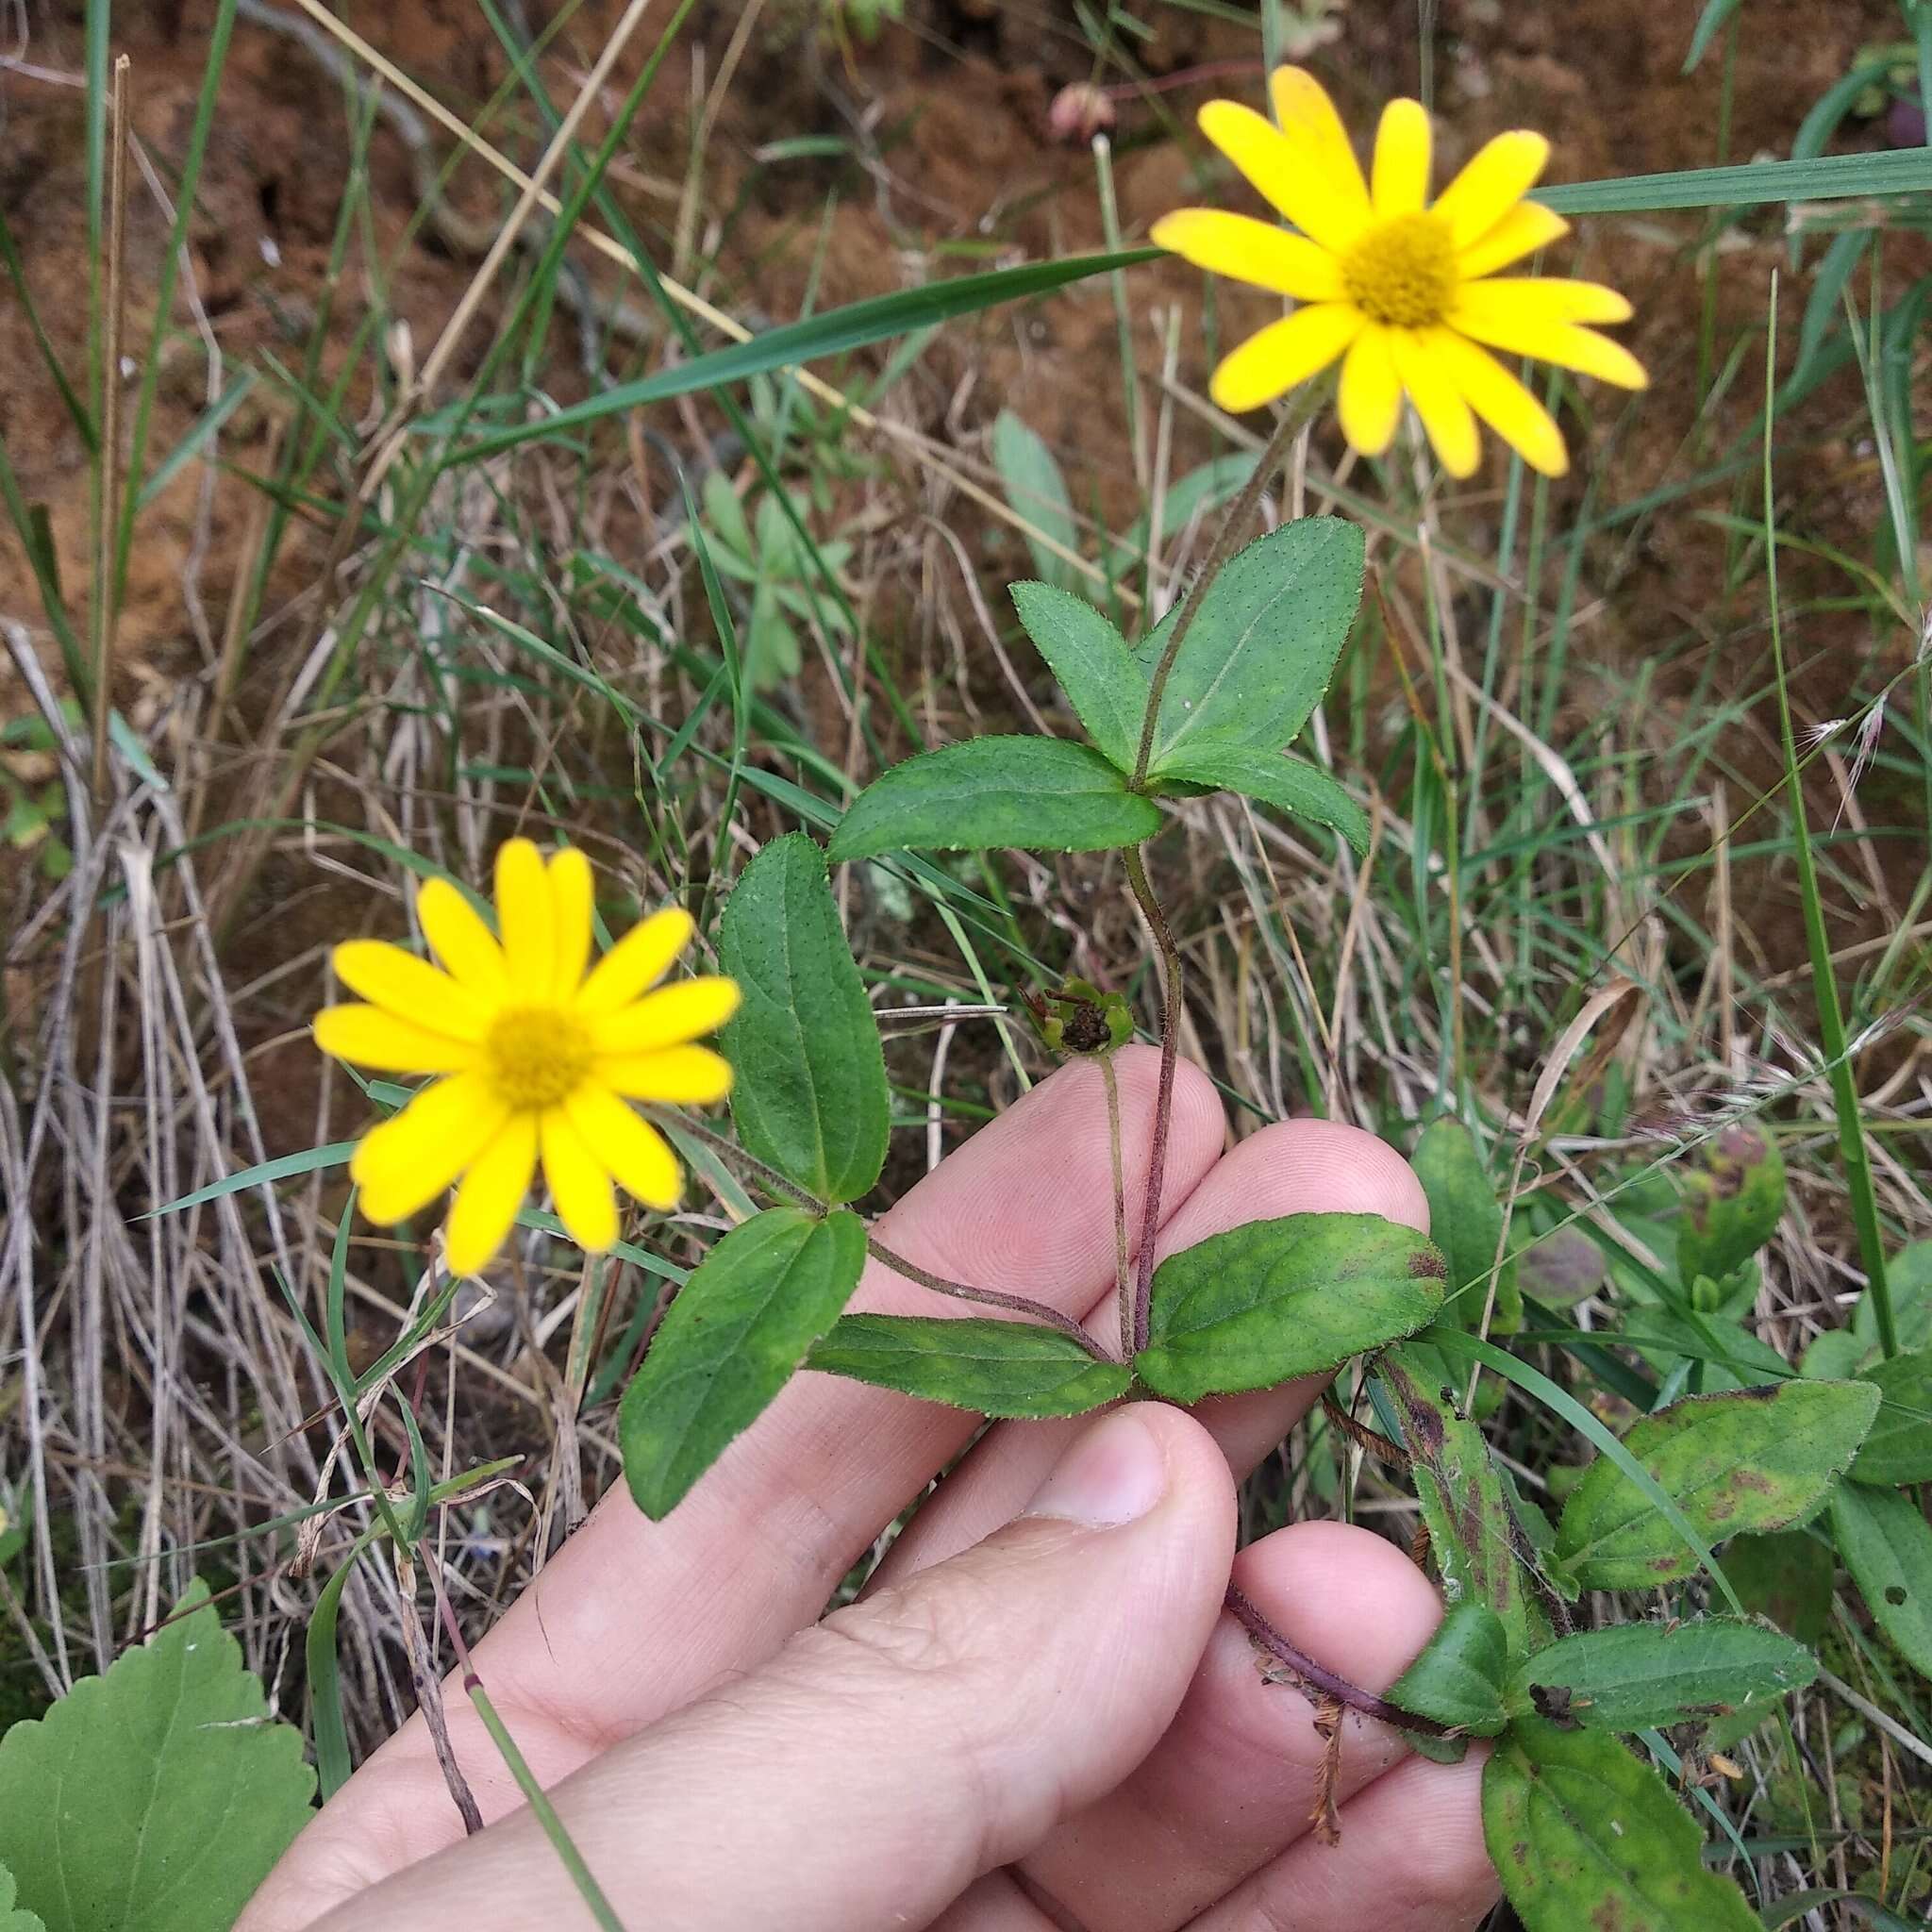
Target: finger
1293, 1167
1411, 1859
868, 1773
1236, 1778
631, 1619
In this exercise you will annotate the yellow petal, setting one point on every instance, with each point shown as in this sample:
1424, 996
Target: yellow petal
1500, 173
490, 1195
526, 914
1528, 226
1284, 175
674, 1076
413, 988
1272, 362
1250, 251
1371, 396
459, 939
573, 897
1539, 298
1307, 118
580, 1188
639, 961
1503, 403
405, 1163
630, 1148
372, 1038
668, 1017
1567, 346
1401, 167
1440, 404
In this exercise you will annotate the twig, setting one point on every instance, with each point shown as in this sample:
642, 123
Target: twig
1323, 1682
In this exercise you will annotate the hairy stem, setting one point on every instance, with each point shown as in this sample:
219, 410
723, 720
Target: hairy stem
1163, 1094
1323, 1682
776, 1183
1226, 544
1123, 1267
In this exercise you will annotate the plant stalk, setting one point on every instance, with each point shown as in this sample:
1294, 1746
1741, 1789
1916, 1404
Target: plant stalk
1138, 1320
1247, 1613
776, 1183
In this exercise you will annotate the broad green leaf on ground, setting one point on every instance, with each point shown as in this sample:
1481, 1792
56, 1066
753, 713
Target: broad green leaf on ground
1036, 489
1734, 1194
1584, 1835
1038, 794
1908, 1275
1254, 662
996, 1368
1899, 1449
1753, 1460
1260, 1303
1887, 1544
1466, 1223
154, 1798
1731, 1356
1289, 784
740, 1327
1787, 1577
1100, 675
1458, 1678
810, 1094
12, 1917
1836, 1356
1640, 1676
1472, 1533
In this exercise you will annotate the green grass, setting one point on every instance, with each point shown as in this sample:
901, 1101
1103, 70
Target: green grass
521, 627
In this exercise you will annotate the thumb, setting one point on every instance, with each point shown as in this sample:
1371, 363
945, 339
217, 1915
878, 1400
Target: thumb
894, 1753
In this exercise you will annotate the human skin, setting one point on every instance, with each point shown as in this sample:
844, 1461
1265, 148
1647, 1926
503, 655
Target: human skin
1038, 1715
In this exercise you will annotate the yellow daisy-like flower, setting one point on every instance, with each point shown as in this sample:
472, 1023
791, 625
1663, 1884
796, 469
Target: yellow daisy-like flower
1404, 289
536, 1050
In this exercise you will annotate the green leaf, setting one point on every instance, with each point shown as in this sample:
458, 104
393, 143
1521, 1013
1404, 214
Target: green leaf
1640, 1676
13, 1918
1041, 794
1747, 184
1466, 1223
1288, 784
1584, 1835
1256, 661
1887, 1545
1786, 1577
1561, 1268
1909, 1275
154, 1798
1100, 675
877, 319
1899, 1449
1260, 1303
1036, 489
1753, 1460
810, 1094
996, 1368
740, 1327
1734, 1196
1471, 1529
1458, 1678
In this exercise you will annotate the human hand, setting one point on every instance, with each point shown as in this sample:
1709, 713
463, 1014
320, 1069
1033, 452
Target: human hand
1037, 1716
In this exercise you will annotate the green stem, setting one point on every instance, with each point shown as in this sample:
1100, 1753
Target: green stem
776, 1183
1831, 1025
534, 1793
1225, 546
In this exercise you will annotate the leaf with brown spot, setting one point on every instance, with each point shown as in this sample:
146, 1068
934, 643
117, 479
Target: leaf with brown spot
1584, 1835
1750, 1460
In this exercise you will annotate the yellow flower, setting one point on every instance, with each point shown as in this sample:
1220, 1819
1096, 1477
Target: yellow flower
1404, 289
536, 1056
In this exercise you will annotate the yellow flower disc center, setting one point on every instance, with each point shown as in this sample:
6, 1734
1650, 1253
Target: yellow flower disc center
1402, 273
537, 1057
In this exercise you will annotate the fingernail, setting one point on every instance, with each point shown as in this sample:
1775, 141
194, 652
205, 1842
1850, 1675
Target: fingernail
1114, 1473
